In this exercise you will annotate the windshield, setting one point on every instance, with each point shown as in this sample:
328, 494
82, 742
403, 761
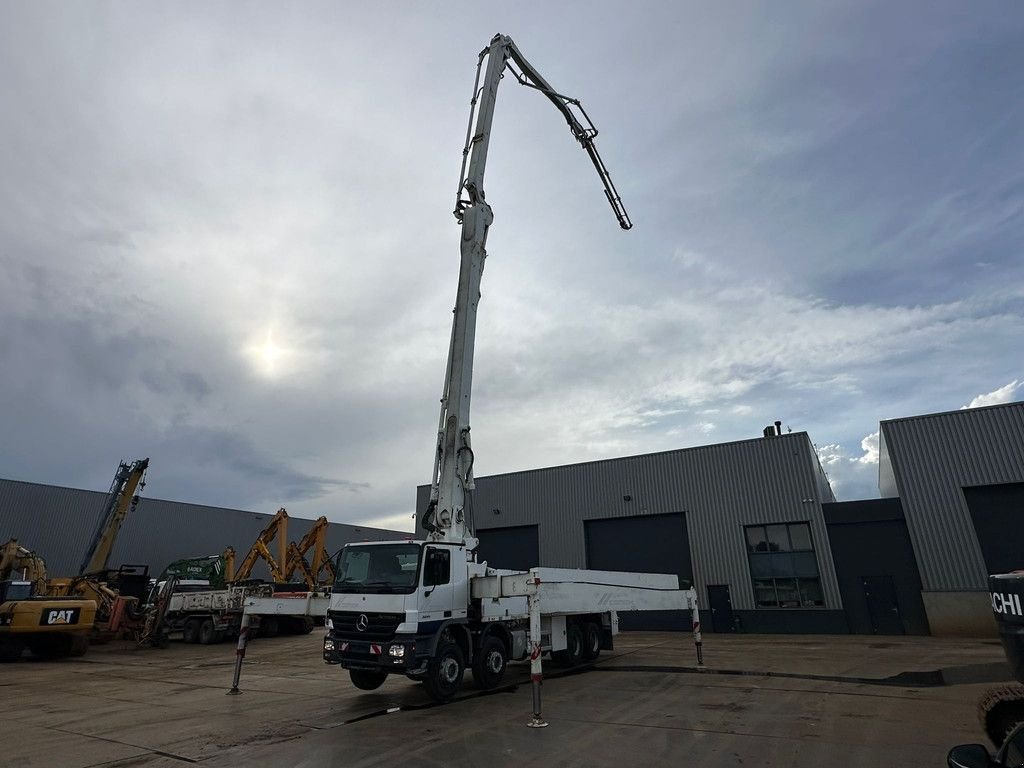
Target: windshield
379, 568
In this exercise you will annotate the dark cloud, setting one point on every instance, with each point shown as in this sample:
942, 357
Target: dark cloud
226, 240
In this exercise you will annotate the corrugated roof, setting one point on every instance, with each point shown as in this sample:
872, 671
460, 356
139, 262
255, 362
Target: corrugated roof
57, 522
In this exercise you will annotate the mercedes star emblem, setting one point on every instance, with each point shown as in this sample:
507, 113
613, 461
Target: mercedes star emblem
362, 622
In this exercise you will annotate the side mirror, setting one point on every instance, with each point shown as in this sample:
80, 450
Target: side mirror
970, 756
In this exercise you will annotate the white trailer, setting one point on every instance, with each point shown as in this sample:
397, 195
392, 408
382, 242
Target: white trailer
211, 615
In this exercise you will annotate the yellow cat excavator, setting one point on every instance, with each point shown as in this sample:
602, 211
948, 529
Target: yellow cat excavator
58, 617
49, 627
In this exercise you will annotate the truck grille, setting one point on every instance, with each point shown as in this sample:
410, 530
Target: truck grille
379, 626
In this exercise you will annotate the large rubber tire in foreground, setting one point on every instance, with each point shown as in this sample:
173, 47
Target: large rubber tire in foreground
489, 663
445, 671
1000, 711
367, 679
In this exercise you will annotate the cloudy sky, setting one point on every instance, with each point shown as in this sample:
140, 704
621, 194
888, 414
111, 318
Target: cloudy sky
226, 239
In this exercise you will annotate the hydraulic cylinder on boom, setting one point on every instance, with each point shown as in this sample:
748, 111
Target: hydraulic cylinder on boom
448, 516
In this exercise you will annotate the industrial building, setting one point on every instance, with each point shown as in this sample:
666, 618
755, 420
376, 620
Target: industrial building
959, 477
755, 527
752, 524
59, 522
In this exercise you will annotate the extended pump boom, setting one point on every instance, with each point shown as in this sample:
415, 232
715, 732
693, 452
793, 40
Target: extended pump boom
448, 516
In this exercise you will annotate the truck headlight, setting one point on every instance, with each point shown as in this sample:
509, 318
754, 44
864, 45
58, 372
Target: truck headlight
398, 651
328, 645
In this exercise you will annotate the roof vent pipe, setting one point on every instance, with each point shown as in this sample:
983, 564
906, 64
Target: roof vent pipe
778, 428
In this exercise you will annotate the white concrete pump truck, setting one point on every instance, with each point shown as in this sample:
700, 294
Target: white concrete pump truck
427, 609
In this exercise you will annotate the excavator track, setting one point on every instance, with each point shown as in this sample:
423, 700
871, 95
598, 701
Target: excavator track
1000, 710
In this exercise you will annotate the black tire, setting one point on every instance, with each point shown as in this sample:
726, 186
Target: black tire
490, 663
591, 641
367, 679
1000, 711
79, 644
11, 648
269, 627
573, 653
445, 671
190, 632
206, 632
51, 646
307, 626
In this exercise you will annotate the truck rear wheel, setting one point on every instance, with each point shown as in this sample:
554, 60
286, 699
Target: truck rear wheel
489, 663
190, 632
444, 672
207, 632
591, 641
269, 626
367, 679
573, 653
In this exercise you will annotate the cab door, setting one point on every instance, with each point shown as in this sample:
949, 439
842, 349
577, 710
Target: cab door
436, 588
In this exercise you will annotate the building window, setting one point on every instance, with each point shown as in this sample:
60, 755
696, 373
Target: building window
783, 566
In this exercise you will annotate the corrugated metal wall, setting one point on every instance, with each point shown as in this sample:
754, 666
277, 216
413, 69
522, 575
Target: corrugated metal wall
58, 523
931, 459
720, 488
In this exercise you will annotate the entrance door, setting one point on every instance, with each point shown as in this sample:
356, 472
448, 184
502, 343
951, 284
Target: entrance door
720, 604
883, 606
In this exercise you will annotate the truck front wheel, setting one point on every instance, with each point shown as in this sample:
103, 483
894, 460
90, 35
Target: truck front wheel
489, 663
367, 679
444, 673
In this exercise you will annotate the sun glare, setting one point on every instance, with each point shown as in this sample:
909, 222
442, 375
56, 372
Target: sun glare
267, 355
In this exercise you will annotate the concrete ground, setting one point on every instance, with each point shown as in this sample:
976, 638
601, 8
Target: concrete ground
762, 701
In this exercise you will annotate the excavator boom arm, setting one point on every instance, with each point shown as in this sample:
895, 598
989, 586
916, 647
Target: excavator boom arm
315, 540
277, 527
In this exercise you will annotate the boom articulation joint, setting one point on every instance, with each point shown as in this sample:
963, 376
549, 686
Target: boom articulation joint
449, 514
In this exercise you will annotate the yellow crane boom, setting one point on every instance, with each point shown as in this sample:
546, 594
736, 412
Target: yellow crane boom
277, 527
120, 500
315, 540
